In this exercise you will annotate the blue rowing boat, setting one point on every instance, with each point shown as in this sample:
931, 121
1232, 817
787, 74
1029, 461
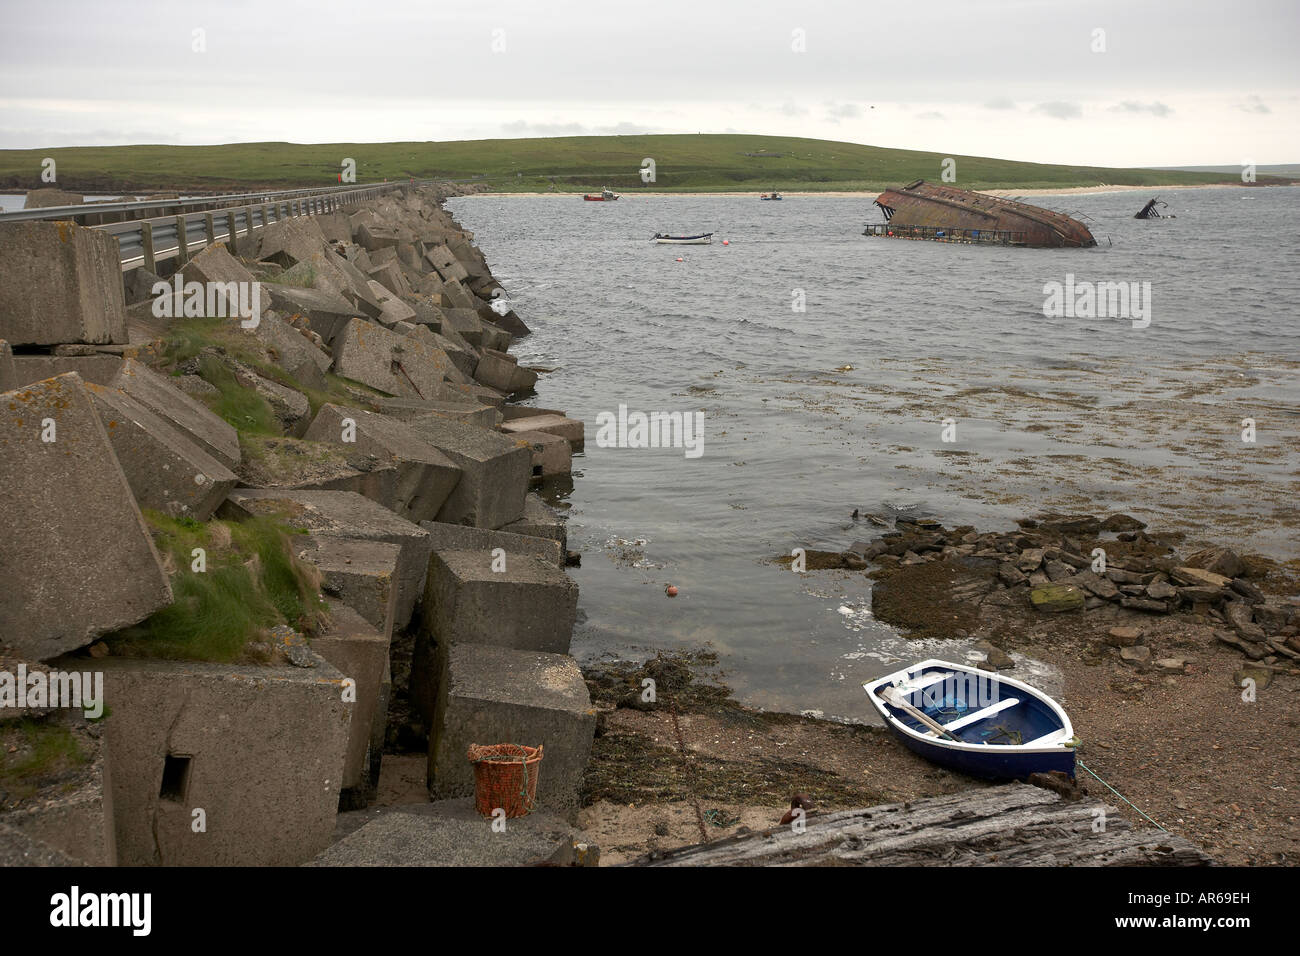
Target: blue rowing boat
975, 721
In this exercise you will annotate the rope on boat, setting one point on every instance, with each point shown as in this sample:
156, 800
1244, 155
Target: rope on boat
1120, 795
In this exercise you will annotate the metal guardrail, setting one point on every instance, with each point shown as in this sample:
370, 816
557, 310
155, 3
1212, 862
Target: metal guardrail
199, 222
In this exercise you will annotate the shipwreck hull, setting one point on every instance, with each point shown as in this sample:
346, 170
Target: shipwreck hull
922, 210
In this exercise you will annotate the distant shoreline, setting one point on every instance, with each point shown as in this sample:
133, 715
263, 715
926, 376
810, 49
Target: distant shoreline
833, 193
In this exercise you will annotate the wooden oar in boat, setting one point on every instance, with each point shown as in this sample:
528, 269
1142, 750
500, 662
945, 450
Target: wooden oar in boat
895, 699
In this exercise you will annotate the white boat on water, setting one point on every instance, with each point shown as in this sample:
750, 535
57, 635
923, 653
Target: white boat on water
703, 239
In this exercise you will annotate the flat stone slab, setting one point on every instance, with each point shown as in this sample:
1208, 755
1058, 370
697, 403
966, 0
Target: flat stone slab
166, 471
495, 695
62, 283
345, 514
446, 833
76, 558
570, 429
530, 605
471, 413
495, 472
426, 477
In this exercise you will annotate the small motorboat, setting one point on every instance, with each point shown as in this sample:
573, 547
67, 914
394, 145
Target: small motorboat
768, 197
975, 721
606, 195
703, 239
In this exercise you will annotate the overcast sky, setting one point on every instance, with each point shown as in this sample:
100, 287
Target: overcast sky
1181, 82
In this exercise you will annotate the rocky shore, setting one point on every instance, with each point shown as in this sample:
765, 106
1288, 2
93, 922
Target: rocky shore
283, 499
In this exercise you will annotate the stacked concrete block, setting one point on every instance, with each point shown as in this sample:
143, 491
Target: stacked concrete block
289, 464
154, 392
326, 312
77, 559
166, 471
62, 283
445, 261
499, 695
359, 652
552, 455
392, 363
471, 413
570, 429
394, 309
360, 574
494, 472
425, 476
99, 368
503, 372
510, 600
291, 241
345, 514
260, 750
539, 520
459, 537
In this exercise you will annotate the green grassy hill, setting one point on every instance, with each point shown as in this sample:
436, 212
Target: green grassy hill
685, 162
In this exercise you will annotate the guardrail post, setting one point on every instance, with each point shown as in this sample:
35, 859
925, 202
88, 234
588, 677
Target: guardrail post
211, 228
232, 241
146, 244
266, 221
182, 242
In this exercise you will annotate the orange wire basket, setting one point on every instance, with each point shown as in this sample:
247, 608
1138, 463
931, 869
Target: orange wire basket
505, 777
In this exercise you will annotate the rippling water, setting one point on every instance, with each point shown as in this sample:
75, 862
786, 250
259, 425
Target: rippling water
1063, 413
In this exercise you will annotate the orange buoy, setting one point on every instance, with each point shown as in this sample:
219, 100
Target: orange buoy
671, 590
679, 259
726, 242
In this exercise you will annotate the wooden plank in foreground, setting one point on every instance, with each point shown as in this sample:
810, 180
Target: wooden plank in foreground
1012, 825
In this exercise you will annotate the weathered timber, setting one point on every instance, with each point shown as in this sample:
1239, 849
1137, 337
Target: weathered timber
1012, 825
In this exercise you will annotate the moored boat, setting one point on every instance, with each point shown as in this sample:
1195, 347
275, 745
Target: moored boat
703, 239
768, 197
975, 721
606, 195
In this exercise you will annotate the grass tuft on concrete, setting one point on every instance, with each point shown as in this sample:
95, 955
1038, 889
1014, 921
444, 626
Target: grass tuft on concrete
251, 582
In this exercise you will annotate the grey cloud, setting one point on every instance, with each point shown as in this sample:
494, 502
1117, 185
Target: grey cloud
931, 115
1059, 109
1254, 104
1155, 108
1000, 103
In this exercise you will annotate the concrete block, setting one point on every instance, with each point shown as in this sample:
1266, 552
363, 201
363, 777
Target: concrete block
471, 413
8, 377
466, 324
291, 408
394, 309
392, 363
459, 537
216, 269
360, 653
498, 695
49, 196
539, 520
461, 353
389, 279
260, 749
99, 368
372, 237
292, 351
503, 372
76, 557
345, 514
21, 849
552, 455
570, 429
425, 476
325, 311
531, 605
447, 833
62, 283
291, 241
204, 428
494, 472
483, 394
166, 471
334, 226
360, 574
295, 464
445, 261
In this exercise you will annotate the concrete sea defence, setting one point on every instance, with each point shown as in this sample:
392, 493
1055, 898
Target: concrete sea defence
283, 507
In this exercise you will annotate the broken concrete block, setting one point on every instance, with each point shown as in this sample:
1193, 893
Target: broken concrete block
166, 471
361, 574
459, 537
507, 696
62, 283
76, 558
539, 520
260, 749
510, 600
552, 454
359, 652
291, 241
425, 476
345, 514
570, 429
494, 472
154, 392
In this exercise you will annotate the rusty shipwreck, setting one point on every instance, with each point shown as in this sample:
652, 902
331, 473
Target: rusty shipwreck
922, 210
